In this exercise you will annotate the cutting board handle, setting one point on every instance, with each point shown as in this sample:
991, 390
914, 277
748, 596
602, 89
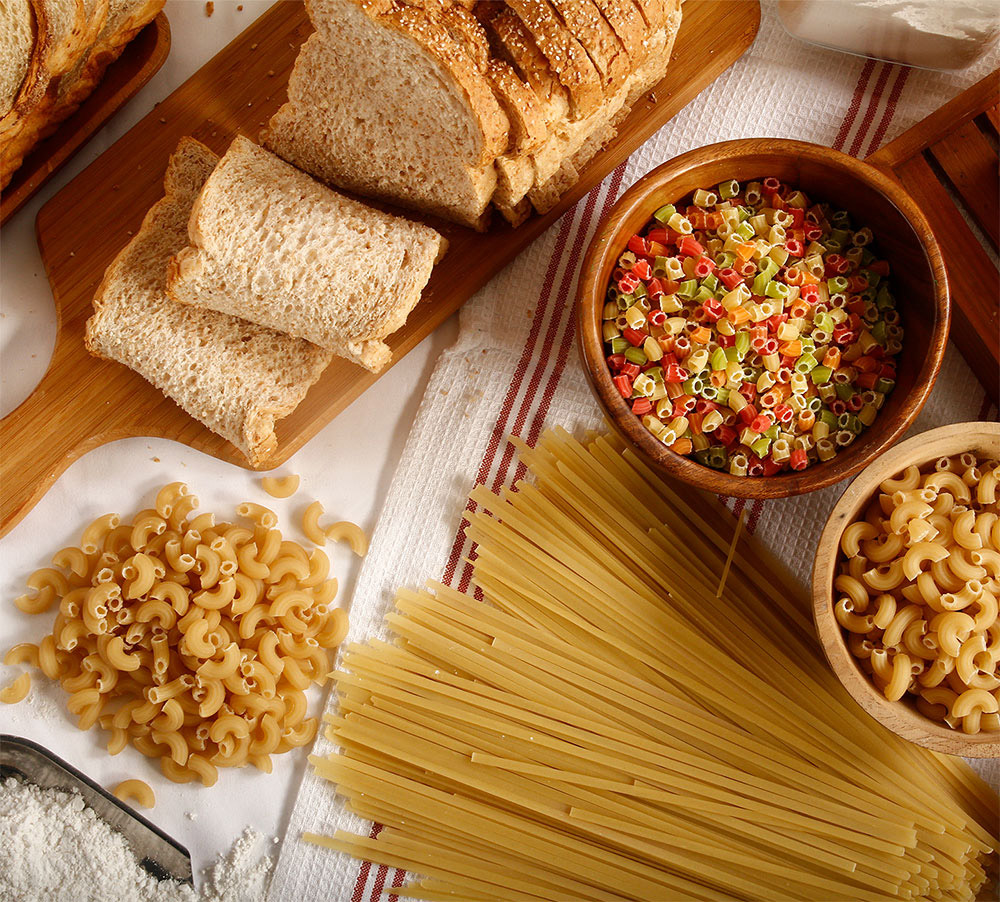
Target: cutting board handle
50, 429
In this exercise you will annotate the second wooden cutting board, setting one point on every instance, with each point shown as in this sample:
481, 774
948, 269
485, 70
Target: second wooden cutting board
82, 402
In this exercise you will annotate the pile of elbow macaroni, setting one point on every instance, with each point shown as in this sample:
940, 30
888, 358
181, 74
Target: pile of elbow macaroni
918, 590
190, 639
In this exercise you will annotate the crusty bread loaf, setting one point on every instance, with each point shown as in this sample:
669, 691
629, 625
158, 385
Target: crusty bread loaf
273, 246
17, 40
236, 377
78, 39
392, 107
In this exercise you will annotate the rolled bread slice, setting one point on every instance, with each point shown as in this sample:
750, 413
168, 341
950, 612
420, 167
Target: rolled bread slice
235, 377
274, 246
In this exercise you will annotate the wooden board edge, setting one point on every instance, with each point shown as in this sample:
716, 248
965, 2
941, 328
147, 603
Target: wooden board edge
208, 443
931, 129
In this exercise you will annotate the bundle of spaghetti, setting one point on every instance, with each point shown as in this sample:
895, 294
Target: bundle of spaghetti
603, 726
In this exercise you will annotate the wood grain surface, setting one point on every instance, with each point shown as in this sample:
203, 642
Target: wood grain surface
948, 163
82, 402
138, 63
901, 717
902, 236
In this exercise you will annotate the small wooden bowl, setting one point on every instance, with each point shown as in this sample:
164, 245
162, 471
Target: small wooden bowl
902, 235
901, 717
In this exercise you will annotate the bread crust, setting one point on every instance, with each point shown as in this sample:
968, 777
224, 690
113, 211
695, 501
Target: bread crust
565, 54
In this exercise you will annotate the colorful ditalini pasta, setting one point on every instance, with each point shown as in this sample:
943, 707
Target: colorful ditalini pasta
595, 723
752, 329
191, 640
926, 603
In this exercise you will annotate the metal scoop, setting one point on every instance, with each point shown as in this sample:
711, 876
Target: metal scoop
160, 855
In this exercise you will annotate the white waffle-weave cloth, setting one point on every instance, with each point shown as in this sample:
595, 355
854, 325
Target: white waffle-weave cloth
515, 370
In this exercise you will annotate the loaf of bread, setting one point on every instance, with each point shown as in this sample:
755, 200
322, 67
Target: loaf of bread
235, 377
54, 53
273, 246
453, 107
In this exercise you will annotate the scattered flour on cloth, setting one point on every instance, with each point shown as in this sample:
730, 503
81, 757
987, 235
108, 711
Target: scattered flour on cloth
52, 846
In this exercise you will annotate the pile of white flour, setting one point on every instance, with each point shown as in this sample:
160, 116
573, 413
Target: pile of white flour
52, 846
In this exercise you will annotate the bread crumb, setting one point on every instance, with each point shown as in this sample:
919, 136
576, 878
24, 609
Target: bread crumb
190, 815
253, 46
156, 460
163, 119
209, 8
270, 73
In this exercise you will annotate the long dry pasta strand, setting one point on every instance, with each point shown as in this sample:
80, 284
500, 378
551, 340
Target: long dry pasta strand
578, 501
478, 690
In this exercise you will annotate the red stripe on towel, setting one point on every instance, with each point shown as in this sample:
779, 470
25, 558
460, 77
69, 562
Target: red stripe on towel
366, 866
855, 105
890, 108
869, 117
500, 428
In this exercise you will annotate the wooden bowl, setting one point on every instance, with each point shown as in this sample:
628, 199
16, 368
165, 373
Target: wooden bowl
901, 717
903, 237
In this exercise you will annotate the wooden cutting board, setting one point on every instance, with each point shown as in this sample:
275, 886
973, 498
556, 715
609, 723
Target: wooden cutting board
138, 63
949, 165
82, 402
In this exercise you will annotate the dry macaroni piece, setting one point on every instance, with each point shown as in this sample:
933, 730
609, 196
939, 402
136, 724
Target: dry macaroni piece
192, 640
918, 589
280, 486
16, 691
135, 790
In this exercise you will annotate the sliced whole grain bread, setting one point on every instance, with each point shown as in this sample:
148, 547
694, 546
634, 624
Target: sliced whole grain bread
513, 43
565, 54
277, 248
585, 20
392, 107
235, 377
59, 30
627, 23
528, 125
569, 149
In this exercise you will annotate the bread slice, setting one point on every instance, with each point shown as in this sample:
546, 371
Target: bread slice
565, 54
275, 247
512, 42
627, 23
585, 20
392, 107
568, 150
60, 26
235, 377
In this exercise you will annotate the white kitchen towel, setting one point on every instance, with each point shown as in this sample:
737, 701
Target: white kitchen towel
514, 369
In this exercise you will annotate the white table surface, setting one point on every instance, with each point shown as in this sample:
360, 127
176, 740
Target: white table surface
347, 466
